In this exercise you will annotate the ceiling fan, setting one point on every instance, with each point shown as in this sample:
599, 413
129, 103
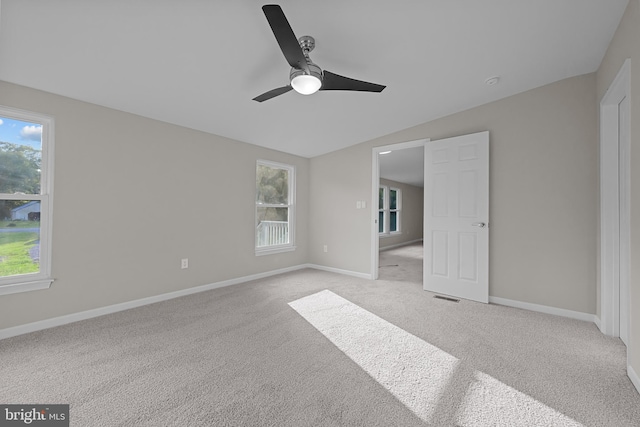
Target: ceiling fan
305, 76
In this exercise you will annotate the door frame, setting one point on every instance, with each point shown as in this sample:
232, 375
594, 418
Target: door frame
613, 230
375, 183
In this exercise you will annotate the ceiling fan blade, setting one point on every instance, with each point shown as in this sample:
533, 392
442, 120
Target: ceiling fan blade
272, 93
331, 81
286, 38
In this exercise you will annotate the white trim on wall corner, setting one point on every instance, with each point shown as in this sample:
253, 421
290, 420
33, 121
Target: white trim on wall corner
633, 376
614, 195
578, 315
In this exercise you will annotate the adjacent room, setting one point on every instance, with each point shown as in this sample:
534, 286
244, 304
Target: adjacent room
202, 225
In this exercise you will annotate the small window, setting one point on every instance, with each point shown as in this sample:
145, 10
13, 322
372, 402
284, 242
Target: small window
389, 209
394, 210
26, 158
382, 196
275, 207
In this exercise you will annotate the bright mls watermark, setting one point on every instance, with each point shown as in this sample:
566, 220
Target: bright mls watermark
34, 415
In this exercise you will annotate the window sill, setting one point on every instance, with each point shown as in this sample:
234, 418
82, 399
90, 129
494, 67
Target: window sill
274, 250
35, 285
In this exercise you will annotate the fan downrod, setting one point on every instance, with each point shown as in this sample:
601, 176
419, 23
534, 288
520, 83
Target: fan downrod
307, 43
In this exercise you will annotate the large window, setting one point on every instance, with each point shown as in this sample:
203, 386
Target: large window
26, 159
275, 207
389, 209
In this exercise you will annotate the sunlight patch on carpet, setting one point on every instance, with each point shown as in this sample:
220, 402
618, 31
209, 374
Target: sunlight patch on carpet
418, 373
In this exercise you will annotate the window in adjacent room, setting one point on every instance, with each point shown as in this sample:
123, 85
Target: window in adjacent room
26, 160
389, 210
275, 207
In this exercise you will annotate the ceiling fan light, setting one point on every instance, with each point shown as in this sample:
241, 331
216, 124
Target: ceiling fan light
306, 84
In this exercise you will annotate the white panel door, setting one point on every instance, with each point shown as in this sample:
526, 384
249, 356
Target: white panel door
456, 217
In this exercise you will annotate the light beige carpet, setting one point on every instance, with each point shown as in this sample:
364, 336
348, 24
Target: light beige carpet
283, 352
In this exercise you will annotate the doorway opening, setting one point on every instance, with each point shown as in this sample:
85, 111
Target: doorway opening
397, 210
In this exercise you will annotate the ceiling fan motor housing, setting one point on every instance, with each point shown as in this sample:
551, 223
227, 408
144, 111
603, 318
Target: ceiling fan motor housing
307, 43
306, 82
315, 71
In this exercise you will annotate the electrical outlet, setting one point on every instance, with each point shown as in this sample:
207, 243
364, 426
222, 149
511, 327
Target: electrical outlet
326, 248
184, 263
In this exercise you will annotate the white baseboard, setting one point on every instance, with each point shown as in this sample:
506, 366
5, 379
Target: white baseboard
597, 321
88, 314
545, 309
339, 271
411, 242
633, 376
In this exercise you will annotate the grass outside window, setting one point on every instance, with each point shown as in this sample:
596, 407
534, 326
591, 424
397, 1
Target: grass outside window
17, 248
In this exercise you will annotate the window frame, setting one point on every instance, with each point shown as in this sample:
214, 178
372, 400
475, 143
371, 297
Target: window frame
291, 214
397, 210
42, 279
383, 210
386, 211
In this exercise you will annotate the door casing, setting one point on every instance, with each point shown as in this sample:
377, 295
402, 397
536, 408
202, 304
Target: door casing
614, 206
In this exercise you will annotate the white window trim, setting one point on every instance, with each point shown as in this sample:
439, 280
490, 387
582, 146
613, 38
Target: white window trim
291, 246
386, 217
43, 279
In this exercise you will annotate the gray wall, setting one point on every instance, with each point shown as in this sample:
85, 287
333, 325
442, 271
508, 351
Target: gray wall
132, 197
626, 44
543, 198
412, 214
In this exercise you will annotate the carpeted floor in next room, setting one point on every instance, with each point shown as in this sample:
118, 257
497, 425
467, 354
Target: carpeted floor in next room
313, 348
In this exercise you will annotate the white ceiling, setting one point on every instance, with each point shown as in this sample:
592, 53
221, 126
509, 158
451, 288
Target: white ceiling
199, 63
405, 165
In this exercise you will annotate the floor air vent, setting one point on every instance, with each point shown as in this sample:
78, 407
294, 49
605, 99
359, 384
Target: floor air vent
446, 298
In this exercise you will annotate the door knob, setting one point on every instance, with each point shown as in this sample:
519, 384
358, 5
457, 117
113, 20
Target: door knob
479, 224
